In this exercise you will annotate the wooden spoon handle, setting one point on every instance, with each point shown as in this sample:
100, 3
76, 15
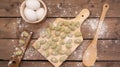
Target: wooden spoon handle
104, 11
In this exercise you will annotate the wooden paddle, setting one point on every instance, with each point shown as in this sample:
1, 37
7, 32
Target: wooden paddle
57, 42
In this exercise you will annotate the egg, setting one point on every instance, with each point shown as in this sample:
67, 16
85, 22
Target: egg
33, 4
30, 14
40, 13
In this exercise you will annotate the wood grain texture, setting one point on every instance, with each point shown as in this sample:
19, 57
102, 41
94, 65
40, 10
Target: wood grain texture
8, 28
65, 64
109, 38
107, 50
63, 8
110, 28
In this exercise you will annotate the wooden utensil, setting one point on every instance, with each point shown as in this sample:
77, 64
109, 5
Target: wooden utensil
90, 54
19, 53
61, 38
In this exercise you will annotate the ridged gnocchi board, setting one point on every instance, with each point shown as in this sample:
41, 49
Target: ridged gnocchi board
61, 38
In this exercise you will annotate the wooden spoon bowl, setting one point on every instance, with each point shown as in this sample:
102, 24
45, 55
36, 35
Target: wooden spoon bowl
22, 7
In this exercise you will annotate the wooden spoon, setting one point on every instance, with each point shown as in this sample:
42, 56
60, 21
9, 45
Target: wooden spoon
90, 54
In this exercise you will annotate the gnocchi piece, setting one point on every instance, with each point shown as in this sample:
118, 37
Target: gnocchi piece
70, 35
25, 34
42, 42
44, 33
67, 31
66, 23
77, 41
57, 28
72, 27
48, 30
78, 34
46, 46
58, 48
63, 36
62, 30
61, 52
47, 53
61, 42
50, 42
69, 41
37, 45
60, 23
54, 60
55, 39
77, 24
18, 52
48, 36
54, 45
68, 46
48, 33
57, 33
51, 26
72, 23
22, 42
68, 52
63, 58
54, 53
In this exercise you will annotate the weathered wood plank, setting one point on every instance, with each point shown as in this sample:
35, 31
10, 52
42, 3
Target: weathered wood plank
8, 27
65, 64
107, 50
9, 8
11, 28
63, 8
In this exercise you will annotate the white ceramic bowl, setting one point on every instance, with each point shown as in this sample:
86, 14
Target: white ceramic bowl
22, 7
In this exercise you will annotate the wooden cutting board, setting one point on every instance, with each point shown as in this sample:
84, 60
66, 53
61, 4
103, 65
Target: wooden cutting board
61, 38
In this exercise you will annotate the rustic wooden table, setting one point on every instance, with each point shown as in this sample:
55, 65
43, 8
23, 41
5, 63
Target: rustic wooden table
11, 25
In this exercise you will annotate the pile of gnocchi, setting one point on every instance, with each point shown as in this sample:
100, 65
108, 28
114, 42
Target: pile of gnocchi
58, 41
33, 10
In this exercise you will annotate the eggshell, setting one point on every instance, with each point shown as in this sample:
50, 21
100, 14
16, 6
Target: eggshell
30, 14
33, 4
40, 12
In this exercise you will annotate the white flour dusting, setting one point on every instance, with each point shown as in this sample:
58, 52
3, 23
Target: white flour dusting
59, 6
76, 12
93, 25
79, 64
50, 11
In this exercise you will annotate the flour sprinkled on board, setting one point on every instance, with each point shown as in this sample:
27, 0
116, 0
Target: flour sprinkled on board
30, 53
